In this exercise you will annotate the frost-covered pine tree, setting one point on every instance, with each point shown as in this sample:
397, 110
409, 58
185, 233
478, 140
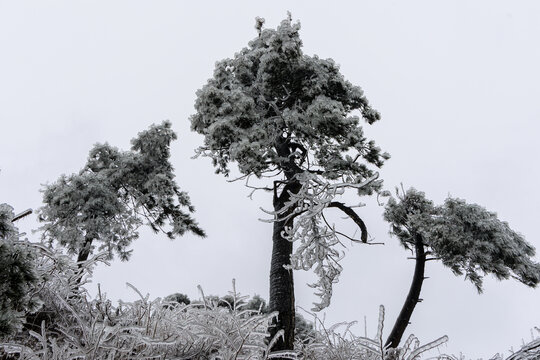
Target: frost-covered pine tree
117, 191
284, 115
465, 237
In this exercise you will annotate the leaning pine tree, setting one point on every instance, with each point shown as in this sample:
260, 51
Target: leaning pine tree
466, 238
279, 113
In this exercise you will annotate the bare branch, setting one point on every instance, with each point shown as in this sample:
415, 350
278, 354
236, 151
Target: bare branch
240, 178
354, 216
339, 232
21, 215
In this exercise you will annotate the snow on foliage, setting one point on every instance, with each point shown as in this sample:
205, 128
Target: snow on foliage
270, 93
338, 342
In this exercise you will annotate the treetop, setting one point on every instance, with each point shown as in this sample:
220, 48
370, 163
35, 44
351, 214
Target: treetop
467, 238
269, 95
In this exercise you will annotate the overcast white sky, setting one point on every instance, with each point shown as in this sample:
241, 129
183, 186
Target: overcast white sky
457, 84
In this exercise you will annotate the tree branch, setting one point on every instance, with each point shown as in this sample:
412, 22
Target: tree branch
354, 216
338, 232
21, 215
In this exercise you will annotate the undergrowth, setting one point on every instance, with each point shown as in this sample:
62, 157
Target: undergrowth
69, 324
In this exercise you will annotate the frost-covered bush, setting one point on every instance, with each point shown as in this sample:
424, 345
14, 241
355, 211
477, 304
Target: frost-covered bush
338, 342
144, 329
71, 325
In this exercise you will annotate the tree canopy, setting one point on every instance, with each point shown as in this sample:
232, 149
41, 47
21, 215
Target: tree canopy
115, 193
271, 95
467, 238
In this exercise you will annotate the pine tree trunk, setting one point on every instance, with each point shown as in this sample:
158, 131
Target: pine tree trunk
282, 288
281, 279
83, 255
84, 252
412, 298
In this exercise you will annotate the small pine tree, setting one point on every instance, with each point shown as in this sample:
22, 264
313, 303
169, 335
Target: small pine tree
115, 193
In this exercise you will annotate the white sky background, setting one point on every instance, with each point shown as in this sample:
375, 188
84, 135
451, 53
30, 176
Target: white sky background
457, 84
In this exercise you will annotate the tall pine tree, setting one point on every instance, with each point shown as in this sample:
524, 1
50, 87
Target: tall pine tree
280, 114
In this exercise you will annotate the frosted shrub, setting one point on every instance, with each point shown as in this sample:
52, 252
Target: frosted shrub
529, 351
71, 325
143, 329
339, 343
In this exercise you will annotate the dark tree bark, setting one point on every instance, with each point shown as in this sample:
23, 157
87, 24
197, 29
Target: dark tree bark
19, 216
281, 279
83, 255
354, 216
412, 298
282, 288
84, 252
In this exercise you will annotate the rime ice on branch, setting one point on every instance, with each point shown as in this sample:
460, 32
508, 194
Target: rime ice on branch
317, 240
